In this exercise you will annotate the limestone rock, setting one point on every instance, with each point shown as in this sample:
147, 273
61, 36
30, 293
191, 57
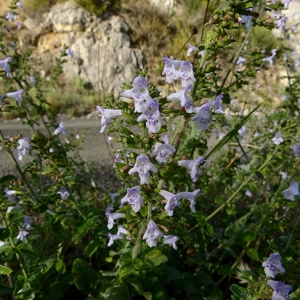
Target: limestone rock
103, 56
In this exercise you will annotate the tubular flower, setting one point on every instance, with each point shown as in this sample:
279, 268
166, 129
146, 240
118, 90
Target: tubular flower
139, 93
23, 148
163, 151
193, 166
107, 115
4, 65
152, 116
273, 265
291, 192
143, 166
170, 69
183, 98
134, 198
186, 73
281, 290
60, 129
171, 240
16, 95
152, 233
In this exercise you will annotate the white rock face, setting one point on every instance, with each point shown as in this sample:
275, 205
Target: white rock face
102, 52
164, 5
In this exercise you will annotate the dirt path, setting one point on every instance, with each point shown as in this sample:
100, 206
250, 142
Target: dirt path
94, 151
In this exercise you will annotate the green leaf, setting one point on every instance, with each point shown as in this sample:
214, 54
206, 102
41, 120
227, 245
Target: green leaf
295, 295
253, 254
60, 266
85, 277
125, 271
147, 295
91, 248
232, 133
155, 257
7, 178
238, 291
4, 233
249, 236
5, 270
225, 270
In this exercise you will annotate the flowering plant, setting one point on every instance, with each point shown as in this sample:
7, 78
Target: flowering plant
204, 181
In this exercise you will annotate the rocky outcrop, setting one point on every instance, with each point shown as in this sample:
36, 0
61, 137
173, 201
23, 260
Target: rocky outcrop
103, 55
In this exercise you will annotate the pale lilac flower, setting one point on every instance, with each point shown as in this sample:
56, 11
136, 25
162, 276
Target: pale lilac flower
276, 15
23, 148
113, 196
172, 201
162, 152
19, 25
190, 196
20, 4
32, 80
186, 73
183, 98
193, 166
171, 240
22, 235
152, 233
247, 21
216, 104
139, 93
240, 61
281, 23
291, 192
202, 118
2, 243
284, 175
277, 139
134, 198
121, 230
248, 194
16, 95
242, 131
107, 115
112, 217
271, 58
281, 290
143, 166
113, 237
296, 149
273, 265
170, 69
286, 3
11, 195
10, 16
152, 116
192, 48
60, 129
27, 223
70, 52
63, 192
219, 134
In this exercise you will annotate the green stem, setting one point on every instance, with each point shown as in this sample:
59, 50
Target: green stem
23, 177
138, 243
239, 188
236, 58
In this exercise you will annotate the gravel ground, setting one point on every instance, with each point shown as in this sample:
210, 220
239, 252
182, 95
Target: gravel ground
94, 151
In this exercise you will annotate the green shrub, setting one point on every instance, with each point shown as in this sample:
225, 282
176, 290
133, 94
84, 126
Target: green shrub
98, 6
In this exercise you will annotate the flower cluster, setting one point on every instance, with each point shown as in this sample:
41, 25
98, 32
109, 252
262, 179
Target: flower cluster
272, 266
